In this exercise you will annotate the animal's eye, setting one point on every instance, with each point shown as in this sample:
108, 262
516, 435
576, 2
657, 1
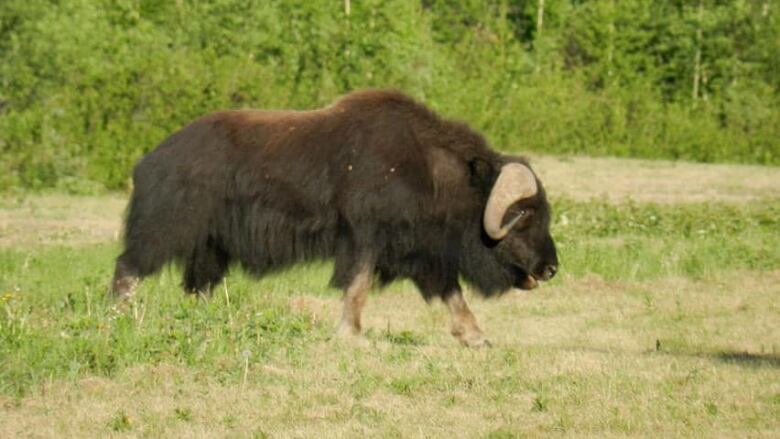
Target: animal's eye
519, 218
522, 215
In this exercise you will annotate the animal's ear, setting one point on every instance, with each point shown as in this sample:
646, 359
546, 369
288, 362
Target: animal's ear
482, 174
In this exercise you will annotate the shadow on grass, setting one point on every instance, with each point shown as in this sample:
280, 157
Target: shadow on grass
731, 357
746, 358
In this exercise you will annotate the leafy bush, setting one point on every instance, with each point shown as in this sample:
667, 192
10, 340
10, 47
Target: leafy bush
87, 86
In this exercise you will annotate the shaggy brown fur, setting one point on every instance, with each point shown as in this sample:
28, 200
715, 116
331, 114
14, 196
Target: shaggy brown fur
375, 177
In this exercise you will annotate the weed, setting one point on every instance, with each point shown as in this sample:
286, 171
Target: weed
503, 433
539, 404
404, 338
120, 422
405, 385
183, 414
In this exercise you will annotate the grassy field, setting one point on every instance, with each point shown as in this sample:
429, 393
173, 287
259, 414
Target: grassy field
664, 321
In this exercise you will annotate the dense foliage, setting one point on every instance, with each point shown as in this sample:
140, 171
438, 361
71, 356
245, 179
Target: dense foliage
87, 86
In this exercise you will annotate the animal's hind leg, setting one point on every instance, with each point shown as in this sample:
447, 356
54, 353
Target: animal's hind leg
205, 268
354, 299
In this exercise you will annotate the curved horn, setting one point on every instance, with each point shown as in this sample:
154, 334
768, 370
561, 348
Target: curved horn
515, 182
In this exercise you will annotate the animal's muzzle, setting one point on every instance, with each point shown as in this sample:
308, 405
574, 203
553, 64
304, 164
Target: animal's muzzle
529, 281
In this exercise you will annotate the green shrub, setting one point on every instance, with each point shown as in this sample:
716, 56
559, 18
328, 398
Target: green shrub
88, 86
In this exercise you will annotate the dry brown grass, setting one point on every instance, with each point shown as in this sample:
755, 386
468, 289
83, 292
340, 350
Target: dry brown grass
59, 219
660, 181
574, 360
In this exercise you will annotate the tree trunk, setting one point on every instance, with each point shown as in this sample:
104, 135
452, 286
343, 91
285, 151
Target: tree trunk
611, 43
697, 55
539, 18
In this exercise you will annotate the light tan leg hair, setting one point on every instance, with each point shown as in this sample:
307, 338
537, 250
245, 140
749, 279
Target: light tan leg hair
353, 301
123, 287
464, 324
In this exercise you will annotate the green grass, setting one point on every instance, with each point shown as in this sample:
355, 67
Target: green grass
642, 241
56, 321
645, 331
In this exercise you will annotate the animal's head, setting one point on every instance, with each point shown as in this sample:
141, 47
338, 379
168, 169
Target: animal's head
516, 222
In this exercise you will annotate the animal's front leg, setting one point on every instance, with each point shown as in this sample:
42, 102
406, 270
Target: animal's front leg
125, 281
464, 324
353, 301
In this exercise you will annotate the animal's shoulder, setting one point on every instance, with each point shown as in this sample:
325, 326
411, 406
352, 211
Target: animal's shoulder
371, 101
377, 97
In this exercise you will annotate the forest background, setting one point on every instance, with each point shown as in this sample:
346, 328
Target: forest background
88, 86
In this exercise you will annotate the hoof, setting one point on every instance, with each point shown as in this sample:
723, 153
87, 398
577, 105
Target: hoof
477, 343
122, 289
471, 338
351, 335
347, 330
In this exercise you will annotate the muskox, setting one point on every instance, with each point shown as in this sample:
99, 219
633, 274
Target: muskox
376, 181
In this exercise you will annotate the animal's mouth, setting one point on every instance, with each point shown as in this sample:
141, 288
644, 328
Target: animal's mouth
531, 282
524, 280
